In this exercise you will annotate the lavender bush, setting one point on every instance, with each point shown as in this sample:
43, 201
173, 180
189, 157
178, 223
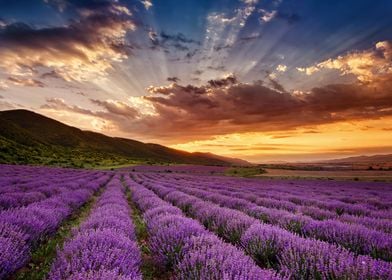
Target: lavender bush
22, 228
185, 247
104, 244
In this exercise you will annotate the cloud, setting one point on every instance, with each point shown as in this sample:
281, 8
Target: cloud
281, 68
5, 105
3, 85
115, 111
179, 38
217, 68
222, 29
191, 54
226, 105
153, 37
2, 23
198, 72
83, 50
308, 70
89, 7
117, 108
222, 47
178, 42
173, 79
249, 38
25, 82
267, 16
50, 75
276, 85
60, 104
147, 4
250, 2
233, 106
367, 66
226, 81
239, 18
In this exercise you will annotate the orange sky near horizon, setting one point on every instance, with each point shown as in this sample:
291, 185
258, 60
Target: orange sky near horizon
313, 143
330, 141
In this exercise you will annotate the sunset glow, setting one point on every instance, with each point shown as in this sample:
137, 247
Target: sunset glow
277, 80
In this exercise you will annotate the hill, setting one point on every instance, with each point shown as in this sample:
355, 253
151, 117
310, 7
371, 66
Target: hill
363, 159
30, 138
233, 161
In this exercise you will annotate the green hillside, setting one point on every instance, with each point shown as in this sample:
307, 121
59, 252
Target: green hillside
30, 138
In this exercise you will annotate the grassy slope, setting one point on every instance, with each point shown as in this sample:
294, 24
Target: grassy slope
30, 138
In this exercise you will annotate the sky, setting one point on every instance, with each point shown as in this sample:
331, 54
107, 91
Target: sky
279, 80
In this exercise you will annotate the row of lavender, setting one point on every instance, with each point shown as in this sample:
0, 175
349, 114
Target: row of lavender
357, 238
271, 246
184, 247
14, 175
184, 169
371, 195
373, 221
358, 198
104, 246
23, 228
263, 199
306, 209
316, 209
21, 186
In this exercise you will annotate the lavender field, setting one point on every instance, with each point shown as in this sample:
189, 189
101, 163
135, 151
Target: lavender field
148, 224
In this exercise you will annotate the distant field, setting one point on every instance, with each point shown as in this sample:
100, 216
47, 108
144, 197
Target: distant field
367, 175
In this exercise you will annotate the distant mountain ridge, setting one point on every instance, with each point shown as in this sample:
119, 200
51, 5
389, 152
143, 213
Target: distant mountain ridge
363, 159
234, 161
30, 138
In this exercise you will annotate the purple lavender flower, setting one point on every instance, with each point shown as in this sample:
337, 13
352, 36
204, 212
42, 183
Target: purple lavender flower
93, 250
104, 245
206, 257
